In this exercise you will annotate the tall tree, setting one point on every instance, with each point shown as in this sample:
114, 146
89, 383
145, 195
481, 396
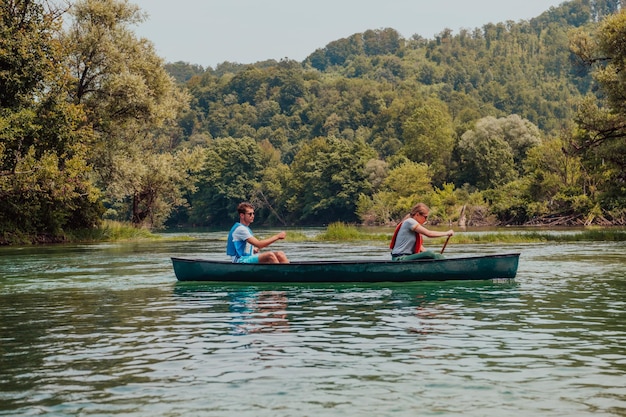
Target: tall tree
230, 175
328, 177
429, 137
601, 137
486, 159
128, 96
492, 153
406, 184
44, 180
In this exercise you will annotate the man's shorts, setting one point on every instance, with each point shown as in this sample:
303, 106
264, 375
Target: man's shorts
252, 259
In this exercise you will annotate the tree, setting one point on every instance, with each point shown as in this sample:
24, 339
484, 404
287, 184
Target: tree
128, 96
406, 184
44, 179
486, 160
429, 137
521, 135
491, 154
602, 123
328, 175
230, 175
151, 188
554, 182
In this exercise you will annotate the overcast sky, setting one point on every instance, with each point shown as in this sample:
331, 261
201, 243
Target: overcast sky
209, 32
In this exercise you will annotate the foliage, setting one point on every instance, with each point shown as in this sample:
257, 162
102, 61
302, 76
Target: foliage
486, 122
406, 184
130, 100
471, 106
151, 188
602, 123
44, 180
429, 137
328, 175
230, 175
491, 154
183, 71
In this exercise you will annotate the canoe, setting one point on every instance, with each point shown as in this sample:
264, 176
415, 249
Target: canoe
464, 268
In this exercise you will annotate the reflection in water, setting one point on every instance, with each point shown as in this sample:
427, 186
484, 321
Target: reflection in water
259, 311
263, 309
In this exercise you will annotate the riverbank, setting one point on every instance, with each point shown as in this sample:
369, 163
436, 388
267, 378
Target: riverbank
108, 231
111, 231
341, 233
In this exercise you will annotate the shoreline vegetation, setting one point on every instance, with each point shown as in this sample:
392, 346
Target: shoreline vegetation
341, 232
511, 123
113, 231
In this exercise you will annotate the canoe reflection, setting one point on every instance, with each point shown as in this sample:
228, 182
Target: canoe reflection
419, 308
259, 311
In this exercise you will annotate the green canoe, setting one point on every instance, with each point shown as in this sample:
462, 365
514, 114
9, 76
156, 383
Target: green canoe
467, 268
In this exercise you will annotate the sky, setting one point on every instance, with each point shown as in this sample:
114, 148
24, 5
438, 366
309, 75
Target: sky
209, 32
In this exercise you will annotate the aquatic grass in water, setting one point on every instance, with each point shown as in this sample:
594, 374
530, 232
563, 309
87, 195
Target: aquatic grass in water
538, 237
341, 232
111, 231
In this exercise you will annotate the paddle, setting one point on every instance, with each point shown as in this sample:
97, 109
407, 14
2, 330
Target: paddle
445, 244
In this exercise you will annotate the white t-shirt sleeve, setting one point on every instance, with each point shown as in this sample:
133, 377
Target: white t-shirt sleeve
241, 233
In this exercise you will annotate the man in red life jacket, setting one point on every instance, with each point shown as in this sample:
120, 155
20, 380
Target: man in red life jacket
407, 242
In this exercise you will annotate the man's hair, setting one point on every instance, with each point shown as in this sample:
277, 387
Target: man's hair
241, 208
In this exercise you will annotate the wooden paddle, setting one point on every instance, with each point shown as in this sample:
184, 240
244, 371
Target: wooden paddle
445, 244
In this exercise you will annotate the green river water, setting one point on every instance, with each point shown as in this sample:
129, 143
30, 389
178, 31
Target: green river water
105, 330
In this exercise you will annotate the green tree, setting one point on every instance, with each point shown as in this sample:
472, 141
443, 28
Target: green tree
381, 41
183, 71
555, 181
486, 159
151, 188
129, 99
328, 175
230, 175
270, 195
44, 179
492, 153
406, 184
429, 137
602, 123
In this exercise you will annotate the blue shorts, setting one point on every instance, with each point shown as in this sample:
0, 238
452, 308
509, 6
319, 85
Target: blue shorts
252, 259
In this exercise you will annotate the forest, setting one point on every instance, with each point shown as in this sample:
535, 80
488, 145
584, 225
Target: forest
513, 123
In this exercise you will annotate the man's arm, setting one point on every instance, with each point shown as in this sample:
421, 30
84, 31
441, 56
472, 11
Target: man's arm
265, 242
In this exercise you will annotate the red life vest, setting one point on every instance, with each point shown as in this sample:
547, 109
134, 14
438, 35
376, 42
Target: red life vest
418, 239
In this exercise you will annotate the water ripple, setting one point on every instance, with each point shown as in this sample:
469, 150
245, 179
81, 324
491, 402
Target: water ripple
80, 335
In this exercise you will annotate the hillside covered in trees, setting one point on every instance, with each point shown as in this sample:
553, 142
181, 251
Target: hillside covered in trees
511, 123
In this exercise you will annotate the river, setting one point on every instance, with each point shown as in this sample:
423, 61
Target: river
105, 329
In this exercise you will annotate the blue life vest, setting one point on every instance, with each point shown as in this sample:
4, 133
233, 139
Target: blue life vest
236, 248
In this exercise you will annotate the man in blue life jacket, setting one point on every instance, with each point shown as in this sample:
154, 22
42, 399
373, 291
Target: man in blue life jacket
243, 247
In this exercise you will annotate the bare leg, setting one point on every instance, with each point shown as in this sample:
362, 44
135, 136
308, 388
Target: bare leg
268, 258
282, 258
